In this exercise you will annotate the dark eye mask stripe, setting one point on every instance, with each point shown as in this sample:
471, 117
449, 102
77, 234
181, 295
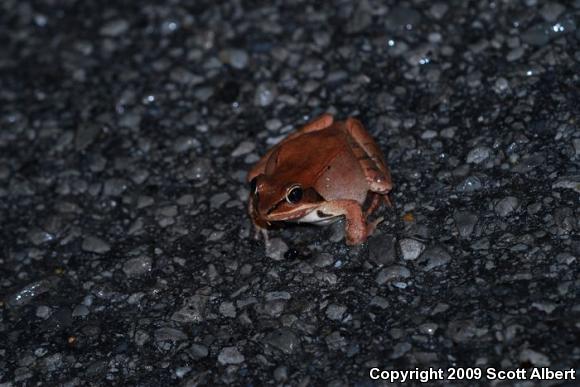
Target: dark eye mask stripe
276, 206
310, 196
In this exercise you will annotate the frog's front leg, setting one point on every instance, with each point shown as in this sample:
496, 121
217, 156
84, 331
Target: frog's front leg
260, 225
357, 229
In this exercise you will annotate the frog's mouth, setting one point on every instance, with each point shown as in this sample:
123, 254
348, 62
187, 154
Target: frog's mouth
311, 215
283, 212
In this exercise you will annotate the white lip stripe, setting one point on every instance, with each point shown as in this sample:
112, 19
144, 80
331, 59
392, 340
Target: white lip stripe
313, 218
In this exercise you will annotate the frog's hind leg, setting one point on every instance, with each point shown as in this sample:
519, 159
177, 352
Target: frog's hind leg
319, 123
369, 156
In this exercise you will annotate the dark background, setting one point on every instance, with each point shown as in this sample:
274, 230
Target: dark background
126, 131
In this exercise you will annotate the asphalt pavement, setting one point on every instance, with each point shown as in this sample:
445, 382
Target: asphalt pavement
126, 132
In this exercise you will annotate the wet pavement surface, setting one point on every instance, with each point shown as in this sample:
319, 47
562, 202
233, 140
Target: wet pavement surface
126, 132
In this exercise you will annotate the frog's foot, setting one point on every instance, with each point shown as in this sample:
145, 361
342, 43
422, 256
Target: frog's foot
356, 229
376, 201
258, 223
264, 234
319, 123
261, 233
372, 226
388, 201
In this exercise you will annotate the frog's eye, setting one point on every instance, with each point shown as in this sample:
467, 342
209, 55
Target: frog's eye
294, 194
254, 186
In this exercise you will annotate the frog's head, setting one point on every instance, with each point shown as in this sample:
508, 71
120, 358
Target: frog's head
275, 200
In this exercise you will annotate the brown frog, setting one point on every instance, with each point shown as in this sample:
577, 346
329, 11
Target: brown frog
319, 173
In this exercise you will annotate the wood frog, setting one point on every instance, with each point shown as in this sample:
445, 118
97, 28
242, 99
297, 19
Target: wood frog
321, 172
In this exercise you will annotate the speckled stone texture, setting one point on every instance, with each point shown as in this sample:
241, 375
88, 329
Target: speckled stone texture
127, 129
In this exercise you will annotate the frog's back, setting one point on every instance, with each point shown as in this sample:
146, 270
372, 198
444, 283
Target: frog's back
306, 155
343, 177
324, 161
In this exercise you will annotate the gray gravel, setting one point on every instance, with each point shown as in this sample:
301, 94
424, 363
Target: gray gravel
126, 132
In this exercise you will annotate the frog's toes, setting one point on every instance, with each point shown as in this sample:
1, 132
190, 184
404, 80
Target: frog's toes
372, 226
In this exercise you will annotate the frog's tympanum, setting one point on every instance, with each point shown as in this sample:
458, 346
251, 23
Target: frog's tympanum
319, 173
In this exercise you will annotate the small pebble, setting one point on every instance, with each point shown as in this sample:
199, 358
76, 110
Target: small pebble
478, 155
265, 94
335, 312
382, 249
93, 244
506, 206
136, 267
411, 249
243, 148
536, 358
392, 273
237, 58
114, 28
276, 248
43, 312
465, 222
230, 355
80, 311
434, 257
284, 340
